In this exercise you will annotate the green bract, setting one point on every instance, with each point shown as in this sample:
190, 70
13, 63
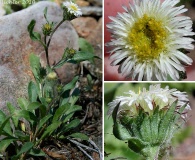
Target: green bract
148, 119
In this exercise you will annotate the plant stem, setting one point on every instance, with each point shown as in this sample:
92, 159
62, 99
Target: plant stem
48, 43
46, 50
59, 24
151, 153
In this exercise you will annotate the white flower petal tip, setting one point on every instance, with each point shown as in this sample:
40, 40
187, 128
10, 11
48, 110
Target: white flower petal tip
153, 36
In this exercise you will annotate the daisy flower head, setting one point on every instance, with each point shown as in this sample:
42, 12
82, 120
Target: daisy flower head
149, 39
148, 100
73, 8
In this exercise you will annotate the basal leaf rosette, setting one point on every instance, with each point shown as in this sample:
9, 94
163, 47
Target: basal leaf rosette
148, 119
149, 40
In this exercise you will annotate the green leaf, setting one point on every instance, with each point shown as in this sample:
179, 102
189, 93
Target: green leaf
5, 124
33, 35
60, 112
136, 144
71, 84
43, 101
21, 135
121, 132
43, 110
75, 96
45, 13
80, 136
29, 116
74, 109
32, 92
4, 144
49, 130
35, 66
83, 56
33, 106
12, 110
73, 124
43, 121
85, 46
25, 148
36, 152
114, 113
37, 35
23, 103
71, 112
61, 63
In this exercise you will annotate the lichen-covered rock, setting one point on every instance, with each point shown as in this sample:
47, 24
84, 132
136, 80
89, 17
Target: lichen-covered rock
16, 46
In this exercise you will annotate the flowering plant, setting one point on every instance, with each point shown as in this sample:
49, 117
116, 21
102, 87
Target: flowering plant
47, 113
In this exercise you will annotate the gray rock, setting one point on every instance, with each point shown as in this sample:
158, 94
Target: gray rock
95, 2
2, 10
16, 46
92, 11
11, 87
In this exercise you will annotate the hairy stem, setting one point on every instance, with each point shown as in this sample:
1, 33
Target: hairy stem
152, 152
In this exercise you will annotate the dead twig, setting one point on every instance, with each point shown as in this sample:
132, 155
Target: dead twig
84, 118
96, 147
85, 152
82, 145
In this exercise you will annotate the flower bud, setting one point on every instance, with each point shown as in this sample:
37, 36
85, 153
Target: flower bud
47, 29
52, 76
69, 53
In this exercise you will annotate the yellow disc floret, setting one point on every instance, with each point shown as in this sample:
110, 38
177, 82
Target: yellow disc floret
147, 37
47, 27
74, 7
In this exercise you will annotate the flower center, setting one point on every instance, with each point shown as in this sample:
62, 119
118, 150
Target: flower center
147, 37
74, 8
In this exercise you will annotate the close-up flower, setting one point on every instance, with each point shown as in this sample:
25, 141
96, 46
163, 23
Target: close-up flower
147, 117
147, 100
150, 39
73, 8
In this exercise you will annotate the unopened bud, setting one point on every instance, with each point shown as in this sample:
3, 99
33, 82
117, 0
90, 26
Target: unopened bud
47, 29
52, 76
